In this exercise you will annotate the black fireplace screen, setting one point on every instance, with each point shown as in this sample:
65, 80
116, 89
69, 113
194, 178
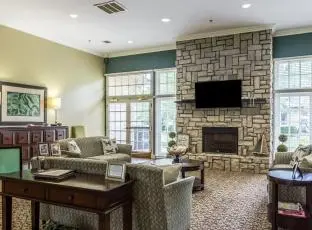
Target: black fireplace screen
220, 140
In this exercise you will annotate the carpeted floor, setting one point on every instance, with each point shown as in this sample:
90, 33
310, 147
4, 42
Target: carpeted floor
230, 201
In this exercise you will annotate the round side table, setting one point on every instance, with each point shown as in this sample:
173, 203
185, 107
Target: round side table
194, 165
284, 177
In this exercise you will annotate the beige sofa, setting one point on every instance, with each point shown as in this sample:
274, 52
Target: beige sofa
91, 148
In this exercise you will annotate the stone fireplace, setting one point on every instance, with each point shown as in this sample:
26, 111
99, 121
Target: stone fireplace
220, 140
246, 57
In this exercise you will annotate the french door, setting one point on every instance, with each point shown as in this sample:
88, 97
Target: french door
130, 123
131, 99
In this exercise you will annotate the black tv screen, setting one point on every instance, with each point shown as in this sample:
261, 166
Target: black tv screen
218, 94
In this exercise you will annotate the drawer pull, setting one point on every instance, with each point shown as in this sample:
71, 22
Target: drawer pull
70, 198
26, 190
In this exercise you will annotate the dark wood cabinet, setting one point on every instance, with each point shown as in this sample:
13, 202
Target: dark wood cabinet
30, 137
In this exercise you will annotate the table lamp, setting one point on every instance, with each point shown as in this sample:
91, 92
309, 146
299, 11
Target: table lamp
55, 103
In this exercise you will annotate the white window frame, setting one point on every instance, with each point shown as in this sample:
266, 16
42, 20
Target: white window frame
277, 93
133, 98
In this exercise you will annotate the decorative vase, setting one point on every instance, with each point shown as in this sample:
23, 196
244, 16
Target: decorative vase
177, 158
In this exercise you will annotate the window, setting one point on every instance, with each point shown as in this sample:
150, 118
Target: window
131, 98
293, 97
130, 85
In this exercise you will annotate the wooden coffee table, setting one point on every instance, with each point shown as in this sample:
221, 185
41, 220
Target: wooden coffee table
187, 166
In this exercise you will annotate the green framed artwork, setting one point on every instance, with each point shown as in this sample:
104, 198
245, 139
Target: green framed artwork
23, 104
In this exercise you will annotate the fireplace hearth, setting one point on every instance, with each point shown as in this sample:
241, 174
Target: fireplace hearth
220, 140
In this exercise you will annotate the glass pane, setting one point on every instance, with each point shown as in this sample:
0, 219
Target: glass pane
140, 122
165, 83
129, 85
117, 121
294, 120
165, 123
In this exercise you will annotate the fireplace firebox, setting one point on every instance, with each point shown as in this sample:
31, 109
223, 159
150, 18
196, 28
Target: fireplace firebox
220, 140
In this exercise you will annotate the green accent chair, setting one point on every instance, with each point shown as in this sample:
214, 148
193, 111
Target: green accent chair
78, 131
10, 159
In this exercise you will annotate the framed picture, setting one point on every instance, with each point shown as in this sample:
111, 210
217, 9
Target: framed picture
55, 149
183, 140
43, 149
23, 104
116, 171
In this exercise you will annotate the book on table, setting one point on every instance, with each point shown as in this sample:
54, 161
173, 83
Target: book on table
54, 174
291, 209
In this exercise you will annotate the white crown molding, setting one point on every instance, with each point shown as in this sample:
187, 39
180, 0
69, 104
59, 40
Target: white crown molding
293, 31
141, 51
225, 32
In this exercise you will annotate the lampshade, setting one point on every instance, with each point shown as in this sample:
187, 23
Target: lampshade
55, 103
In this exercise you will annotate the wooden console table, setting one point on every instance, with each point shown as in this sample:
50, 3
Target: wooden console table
87, 192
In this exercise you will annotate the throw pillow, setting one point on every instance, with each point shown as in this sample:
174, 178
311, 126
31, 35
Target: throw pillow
109, 146
300, 152
73, 147
306, 162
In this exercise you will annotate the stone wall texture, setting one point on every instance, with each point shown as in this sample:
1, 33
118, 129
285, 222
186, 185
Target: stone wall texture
246, 57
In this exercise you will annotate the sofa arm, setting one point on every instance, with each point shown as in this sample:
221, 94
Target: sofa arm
178, 203
124, 148
283, 157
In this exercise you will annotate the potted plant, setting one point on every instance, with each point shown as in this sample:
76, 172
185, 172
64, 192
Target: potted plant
282, 147
175, 150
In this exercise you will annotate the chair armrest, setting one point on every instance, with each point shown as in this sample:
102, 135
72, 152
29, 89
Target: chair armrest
178, 203
283, 157
124, 148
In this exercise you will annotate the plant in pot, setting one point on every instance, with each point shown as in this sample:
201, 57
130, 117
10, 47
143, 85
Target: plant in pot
282, 147
175, 150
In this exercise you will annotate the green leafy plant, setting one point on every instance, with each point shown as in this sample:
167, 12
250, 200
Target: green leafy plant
282, 138
282, 148
171, 143
172, 135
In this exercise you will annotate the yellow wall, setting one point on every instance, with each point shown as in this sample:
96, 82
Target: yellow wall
75, 76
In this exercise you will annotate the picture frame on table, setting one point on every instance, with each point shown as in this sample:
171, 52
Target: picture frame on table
22, 104
43, 149
55, 149
116, 171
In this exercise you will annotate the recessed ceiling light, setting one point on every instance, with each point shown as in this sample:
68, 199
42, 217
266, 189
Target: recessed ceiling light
130, 42
246, 5
165, 19
73, 15
106, 41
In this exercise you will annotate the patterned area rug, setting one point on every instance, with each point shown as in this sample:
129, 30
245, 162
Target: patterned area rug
230, 201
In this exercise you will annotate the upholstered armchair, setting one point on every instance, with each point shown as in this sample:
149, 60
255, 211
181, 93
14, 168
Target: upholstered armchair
156, 205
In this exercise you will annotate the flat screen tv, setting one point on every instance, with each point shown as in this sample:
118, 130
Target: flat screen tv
218, 94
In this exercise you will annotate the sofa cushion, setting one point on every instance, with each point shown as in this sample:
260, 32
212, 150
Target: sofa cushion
71, 154
171, 173
281, 166
112, 157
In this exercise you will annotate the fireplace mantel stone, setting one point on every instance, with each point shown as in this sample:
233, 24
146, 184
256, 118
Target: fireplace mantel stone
233, 163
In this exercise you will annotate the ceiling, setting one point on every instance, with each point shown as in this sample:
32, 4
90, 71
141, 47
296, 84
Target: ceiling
142, 23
